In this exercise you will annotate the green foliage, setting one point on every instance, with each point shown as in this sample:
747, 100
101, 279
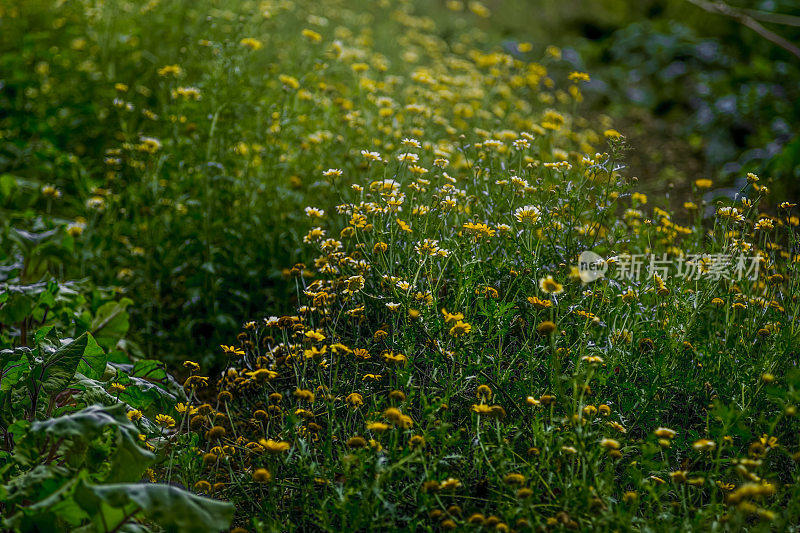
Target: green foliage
439, 364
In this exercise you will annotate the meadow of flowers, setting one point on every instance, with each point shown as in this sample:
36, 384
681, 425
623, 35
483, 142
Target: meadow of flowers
278, 266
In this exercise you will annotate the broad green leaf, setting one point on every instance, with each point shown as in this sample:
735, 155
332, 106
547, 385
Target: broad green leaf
13, 365
149, 386
171, 508
7, 185
50, 513
129, 460
93, 361
110, 323
41, 333
57, 367
18, 307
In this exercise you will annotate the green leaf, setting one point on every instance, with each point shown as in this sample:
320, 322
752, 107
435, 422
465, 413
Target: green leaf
129, 460
51, 513
13, 365
59, 366
93, 362
7, 185
171, 508
41, 333
110, 323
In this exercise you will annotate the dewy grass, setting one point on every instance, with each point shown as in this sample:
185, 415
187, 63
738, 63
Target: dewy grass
445, 362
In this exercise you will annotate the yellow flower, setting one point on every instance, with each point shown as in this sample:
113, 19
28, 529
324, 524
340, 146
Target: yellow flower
704, 445
251, 43
311, 35
550, 286
165, 421
514, 479
527, 214
377, 427
170, 70
538, 302
262, 475
546, 328
452, 317
231, 350
665, 433
460, 329
611, 444
355, 400
274, 447
306, 395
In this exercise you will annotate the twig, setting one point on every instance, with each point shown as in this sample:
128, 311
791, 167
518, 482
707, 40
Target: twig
724, 9
774, 18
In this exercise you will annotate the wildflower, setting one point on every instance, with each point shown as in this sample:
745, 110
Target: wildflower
187, 93
460, 329
216, 432
356, 442
610, 444
449, 484
314, 212
704, 445
538, 302
134, 415
578, 76
251, 43
546, 328
202, 486
117, 388
528, 214
165, 421
630, 496
170, 70
408, 158
452, 317
355, 400
550, 286
703, 183
417, 441
679, 476
311, 35
289, 82
665, 433
261, 475
484, 392
514, 479
305, 395
232, 350
377, 427
274, 447
75, 229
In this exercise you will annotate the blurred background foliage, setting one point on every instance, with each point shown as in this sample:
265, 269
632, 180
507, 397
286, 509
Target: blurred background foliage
698, 93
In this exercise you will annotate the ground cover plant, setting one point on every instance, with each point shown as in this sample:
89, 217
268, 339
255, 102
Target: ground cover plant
264, 269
